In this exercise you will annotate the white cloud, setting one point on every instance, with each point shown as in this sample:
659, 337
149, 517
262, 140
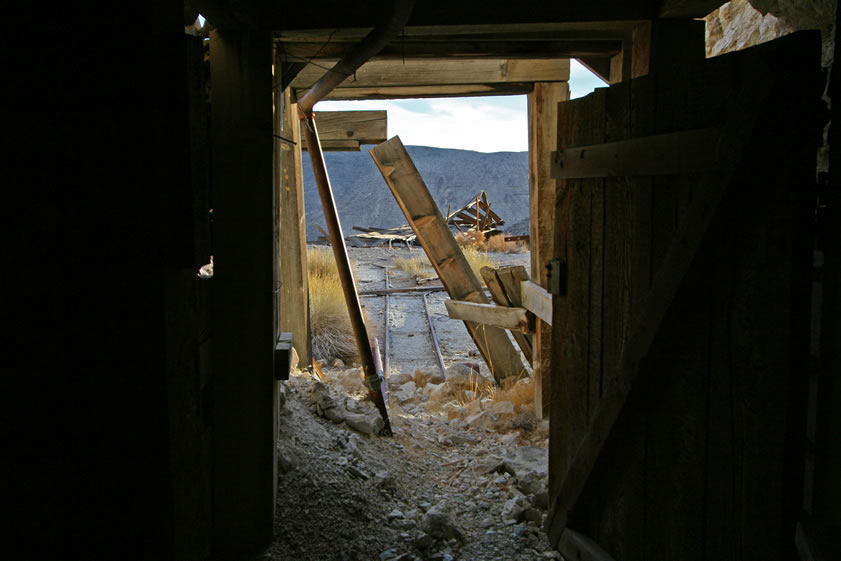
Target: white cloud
477, 124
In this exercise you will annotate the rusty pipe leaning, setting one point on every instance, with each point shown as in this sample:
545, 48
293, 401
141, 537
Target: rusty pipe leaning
372, 44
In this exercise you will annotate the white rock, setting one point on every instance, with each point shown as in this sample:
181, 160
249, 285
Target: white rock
500, 408
523, 459
371, 423
405, 393
397, 380
438, 523
481, 420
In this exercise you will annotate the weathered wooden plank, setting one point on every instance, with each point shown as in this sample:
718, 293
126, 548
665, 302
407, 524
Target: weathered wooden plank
404, 92
489, 314
361, 127
720, 531
337, 146
293, 300
452, 48
509, 31
423, 214
570, 317
409, 289
664, 154
595, 335
537, 300
574, 545
674, 519
439, 72
498, 293
543, 140
511, 277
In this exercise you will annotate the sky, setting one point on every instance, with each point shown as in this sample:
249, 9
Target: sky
483, 124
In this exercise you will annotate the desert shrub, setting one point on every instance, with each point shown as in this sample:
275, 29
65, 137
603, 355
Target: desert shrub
472, 239
332, 334
498, 244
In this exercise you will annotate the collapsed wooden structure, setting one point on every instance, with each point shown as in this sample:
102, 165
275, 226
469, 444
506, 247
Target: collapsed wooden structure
475, 216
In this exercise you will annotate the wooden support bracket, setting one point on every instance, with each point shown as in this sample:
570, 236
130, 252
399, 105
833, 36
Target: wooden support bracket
490, 314
664, 154
537, 300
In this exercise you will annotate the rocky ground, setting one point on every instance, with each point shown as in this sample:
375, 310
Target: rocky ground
462, 478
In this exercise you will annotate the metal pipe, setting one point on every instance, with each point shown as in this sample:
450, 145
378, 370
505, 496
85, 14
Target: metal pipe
358, 55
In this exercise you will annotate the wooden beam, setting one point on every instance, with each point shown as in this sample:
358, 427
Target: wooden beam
489, 314
336, 145
545, 30
537, 300
543, 134
290, 225
349, 129
452, 48
440, 72
687, 9
423, 214
244, 391
665, 154
407, 92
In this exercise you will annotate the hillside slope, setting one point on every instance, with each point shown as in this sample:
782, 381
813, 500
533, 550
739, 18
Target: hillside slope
452, 176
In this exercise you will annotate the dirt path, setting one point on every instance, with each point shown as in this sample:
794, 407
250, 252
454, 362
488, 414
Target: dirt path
461, 479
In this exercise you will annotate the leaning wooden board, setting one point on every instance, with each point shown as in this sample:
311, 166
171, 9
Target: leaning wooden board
411, 194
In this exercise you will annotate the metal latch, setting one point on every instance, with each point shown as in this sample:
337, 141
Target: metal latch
283, 356
557, 271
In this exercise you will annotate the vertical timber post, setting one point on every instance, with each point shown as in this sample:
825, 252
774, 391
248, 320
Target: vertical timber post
244, 390
543, 124
293, 301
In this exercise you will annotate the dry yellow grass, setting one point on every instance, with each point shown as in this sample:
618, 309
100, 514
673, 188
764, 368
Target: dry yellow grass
519, 391
413, 265
478, 259
332, 334
498, 244
495, 243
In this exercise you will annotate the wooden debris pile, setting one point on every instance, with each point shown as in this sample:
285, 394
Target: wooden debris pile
476, 215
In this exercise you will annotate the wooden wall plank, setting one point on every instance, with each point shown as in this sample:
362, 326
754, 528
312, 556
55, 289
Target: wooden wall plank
676, 441
571, 312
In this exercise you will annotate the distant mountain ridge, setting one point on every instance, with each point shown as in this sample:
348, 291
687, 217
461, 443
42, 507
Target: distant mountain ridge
452, 176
